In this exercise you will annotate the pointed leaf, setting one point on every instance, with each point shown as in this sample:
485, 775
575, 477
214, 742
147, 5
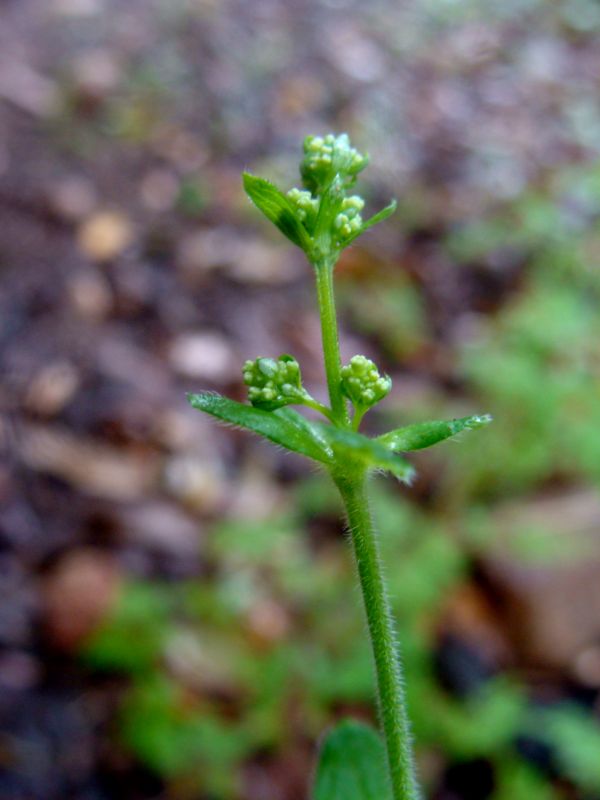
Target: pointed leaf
368, 452
376, 218
352, 765
277, 208
277, 428
381, 215
425, 434
312, 430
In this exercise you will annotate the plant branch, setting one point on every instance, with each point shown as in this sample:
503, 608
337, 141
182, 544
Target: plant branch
314, 404
357, 418
331, 345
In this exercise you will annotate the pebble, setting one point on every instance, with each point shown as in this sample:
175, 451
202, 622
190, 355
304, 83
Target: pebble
96, 72
52, 388
196, 482
586, 666
19, 671
206, 355
159, 189
77, 596
73, 197
104, 235
161, 526
90, 295
247, 259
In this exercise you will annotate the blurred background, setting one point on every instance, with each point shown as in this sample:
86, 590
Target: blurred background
178, 616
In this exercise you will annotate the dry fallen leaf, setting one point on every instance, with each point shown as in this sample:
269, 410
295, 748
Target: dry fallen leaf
543, 563
94, 468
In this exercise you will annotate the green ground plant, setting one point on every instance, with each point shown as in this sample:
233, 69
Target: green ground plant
320, 663
323, 218
175, 724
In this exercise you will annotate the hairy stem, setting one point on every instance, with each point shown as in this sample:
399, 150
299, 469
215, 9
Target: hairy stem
331, 345
311, 403
357, 419
388, 668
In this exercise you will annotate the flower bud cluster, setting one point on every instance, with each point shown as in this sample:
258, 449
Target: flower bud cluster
349, 221
273, 383
362, 383
306, 206
327, 156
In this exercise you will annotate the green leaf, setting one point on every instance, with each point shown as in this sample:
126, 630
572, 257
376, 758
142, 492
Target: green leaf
283, 430
376, 218
352, 446
352, 765
425, 434
310, 429
277, 208
134, 634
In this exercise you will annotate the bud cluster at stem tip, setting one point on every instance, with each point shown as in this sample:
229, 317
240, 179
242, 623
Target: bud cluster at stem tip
321, 217
328, 156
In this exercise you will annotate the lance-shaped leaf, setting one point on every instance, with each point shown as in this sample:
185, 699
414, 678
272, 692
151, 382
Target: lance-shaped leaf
354, 447
277, 208
279, 429
425, 434
312, 430
352, 765
375, 219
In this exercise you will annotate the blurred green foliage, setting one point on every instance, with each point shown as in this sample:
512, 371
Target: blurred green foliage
400, 322
535, 362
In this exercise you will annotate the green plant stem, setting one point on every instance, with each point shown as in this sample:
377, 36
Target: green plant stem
390, 686
357, 418
331, 345
353, 488
311, 403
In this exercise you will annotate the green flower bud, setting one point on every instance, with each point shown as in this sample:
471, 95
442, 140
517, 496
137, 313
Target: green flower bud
354, 203
326, 157
362, 383
349, 221
274, 383
307, 207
